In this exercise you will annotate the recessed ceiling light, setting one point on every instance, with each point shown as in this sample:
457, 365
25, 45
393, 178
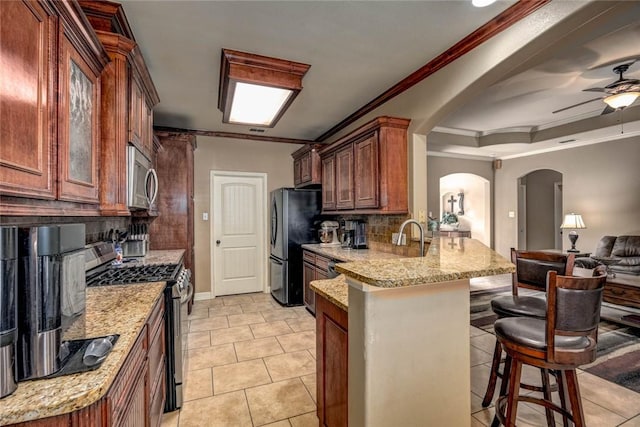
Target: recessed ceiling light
482, 3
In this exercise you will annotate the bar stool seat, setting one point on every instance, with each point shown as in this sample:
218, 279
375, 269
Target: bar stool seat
562, 342
519, 305
531, 273
531, 333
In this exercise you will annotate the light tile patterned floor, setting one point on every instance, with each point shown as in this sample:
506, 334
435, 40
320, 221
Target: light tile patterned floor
251, 362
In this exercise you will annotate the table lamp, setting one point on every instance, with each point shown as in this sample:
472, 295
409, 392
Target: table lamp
573, 221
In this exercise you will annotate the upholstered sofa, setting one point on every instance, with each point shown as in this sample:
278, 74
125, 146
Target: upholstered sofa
626, 248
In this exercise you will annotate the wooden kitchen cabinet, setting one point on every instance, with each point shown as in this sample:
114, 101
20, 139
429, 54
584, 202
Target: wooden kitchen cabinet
368, 173
329, 182
332, 357
306, 167
173, 228
344, 178
28, 131
50, 119
365, 155
78, 125
314, 267
128, 98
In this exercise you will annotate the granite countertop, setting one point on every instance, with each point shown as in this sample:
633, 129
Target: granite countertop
335, 290
447, 259
165, 256
118, 309
349, 255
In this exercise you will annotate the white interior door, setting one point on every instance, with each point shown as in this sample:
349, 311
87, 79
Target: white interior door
238, 232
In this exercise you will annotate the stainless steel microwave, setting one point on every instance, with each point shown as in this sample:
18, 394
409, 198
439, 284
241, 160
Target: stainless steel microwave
142, 180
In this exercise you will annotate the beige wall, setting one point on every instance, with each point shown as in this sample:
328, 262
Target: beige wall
600, 181
232, 155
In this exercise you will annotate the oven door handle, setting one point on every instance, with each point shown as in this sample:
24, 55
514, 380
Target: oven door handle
177, 342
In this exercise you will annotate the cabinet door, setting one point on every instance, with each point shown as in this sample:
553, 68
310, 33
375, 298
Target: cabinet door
136, 113
305, 167
333, 370
78, 126
135, 414
309, 275
366, 173
297, 172
329, 183
344, 178
27, 98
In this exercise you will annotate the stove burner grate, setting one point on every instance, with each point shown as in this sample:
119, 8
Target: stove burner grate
135, 274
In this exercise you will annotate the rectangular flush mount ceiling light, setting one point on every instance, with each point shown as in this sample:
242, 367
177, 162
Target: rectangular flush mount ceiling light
256, 89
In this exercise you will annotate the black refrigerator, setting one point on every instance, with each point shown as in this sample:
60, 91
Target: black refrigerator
295, 215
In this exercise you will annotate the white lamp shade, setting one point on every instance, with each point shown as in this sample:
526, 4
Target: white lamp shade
621, 100
573, 221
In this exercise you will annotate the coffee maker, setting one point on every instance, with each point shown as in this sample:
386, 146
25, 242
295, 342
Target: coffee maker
8, 309
359, 234
48, 256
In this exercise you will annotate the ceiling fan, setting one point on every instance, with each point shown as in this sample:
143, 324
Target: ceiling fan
619, 94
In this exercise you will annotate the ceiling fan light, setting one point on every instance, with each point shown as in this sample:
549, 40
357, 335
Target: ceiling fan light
621, 100
482, 3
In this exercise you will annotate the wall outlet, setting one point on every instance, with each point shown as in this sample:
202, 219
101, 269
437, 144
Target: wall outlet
205, 216
422, 217
394, 239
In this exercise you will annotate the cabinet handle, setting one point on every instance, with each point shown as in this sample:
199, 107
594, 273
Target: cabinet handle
218, 242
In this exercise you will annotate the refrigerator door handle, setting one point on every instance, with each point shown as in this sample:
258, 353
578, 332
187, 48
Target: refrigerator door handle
274, 223
276, 260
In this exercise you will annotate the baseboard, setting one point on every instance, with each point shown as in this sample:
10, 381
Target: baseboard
199, 296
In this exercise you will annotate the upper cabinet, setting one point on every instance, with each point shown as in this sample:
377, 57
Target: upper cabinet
366, 170
49, 107
306, 166
129, 96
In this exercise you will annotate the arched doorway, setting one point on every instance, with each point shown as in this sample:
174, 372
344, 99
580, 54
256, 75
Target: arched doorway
540, 210
476, 193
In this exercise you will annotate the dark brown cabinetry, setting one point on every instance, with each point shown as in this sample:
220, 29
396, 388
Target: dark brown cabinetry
332, 350
329, 182
129, 96
344, 178
50, 114
173, 228
136, 396
306, 167
28, 116
314, 267
366, 170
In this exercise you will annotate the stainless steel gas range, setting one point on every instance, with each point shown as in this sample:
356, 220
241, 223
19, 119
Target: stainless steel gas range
101, 271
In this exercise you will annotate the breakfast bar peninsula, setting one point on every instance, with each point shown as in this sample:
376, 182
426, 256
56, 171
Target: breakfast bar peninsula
408, 334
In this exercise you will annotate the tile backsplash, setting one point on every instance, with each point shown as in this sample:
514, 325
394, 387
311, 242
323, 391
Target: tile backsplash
379, 231
96, 227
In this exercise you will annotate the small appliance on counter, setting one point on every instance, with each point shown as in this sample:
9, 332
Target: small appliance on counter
329, 233
357, 232
8, 309
51, 293
360, 235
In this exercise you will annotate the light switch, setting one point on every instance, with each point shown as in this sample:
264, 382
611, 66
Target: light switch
205, 216
512, 214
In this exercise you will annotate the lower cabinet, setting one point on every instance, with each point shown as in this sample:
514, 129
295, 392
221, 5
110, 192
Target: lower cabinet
136, 397
332, 359
314, 267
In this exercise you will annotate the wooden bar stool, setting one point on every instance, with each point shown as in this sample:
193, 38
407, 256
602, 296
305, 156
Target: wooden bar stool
531, 273
562, 342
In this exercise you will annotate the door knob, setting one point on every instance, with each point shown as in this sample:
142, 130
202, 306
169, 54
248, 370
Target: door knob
218, 242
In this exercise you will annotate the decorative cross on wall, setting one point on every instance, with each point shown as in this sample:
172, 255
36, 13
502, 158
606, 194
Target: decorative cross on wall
452, 201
